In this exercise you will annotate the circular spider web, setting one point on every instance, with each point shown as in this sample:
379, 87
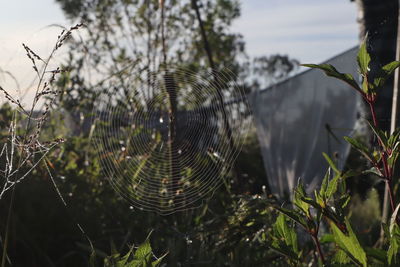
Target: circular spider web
165, 139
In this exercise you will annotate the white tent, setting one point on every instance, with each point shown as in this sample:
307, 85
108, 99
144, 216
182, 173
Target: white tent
302, 117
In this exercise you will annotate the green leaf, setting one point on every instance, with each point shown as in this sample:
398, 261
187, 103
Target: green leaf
158, 261
328, 188
394, 229
378, 254
122, 262
285, 238
287, 233
362, 148
393, 218
394, 244
114, 253
386, 230
136, 263
385, 73
350, 173
393, 140
326, 238
379, 134
332, 187
332, 72
366, 86
143, 252
363, 57
325, 182
390, 67
349, 243
373, 170
320, 197
330, 162
341, 257
343, 201
92, 258
299, 195
393, 159
293, 215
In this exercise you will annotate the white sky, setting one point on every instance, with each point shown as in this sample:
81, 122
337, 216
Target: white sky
308, 30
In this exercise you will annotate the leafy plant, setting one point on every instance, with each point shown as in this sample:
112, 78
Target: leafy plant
329, 204
141, 256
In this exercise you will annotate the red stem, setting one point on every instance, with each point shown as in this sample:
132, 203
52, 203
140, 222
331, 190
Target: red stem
318, 245
386, 168
391, 196
372, 108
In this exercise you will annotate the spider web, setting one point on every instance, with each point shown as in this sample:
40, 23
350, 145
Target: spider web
163, 160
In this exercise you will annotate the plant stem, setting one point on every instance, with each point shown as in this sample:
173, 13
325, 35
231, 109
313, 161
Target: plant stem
391, 196
372, 109
226, 124
387, 171
318, 246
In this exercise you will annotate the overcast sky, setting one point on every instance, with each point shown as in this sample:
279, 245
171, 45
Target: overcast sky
308, 30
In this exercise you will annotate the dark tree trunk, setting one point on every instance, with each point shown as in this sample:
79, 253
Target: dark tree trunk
379, 19
220, 99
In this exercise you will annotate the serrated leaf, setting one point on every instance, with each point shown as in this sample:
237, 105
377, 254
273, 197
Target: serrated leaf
363, 57
287, 233
333, 72
143, 251
349, 243
293, 215
299, 195
332, 187
286, 238
313, 203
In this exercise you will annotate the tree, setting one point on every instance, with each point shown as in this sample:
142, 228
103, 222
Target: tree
191, 35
